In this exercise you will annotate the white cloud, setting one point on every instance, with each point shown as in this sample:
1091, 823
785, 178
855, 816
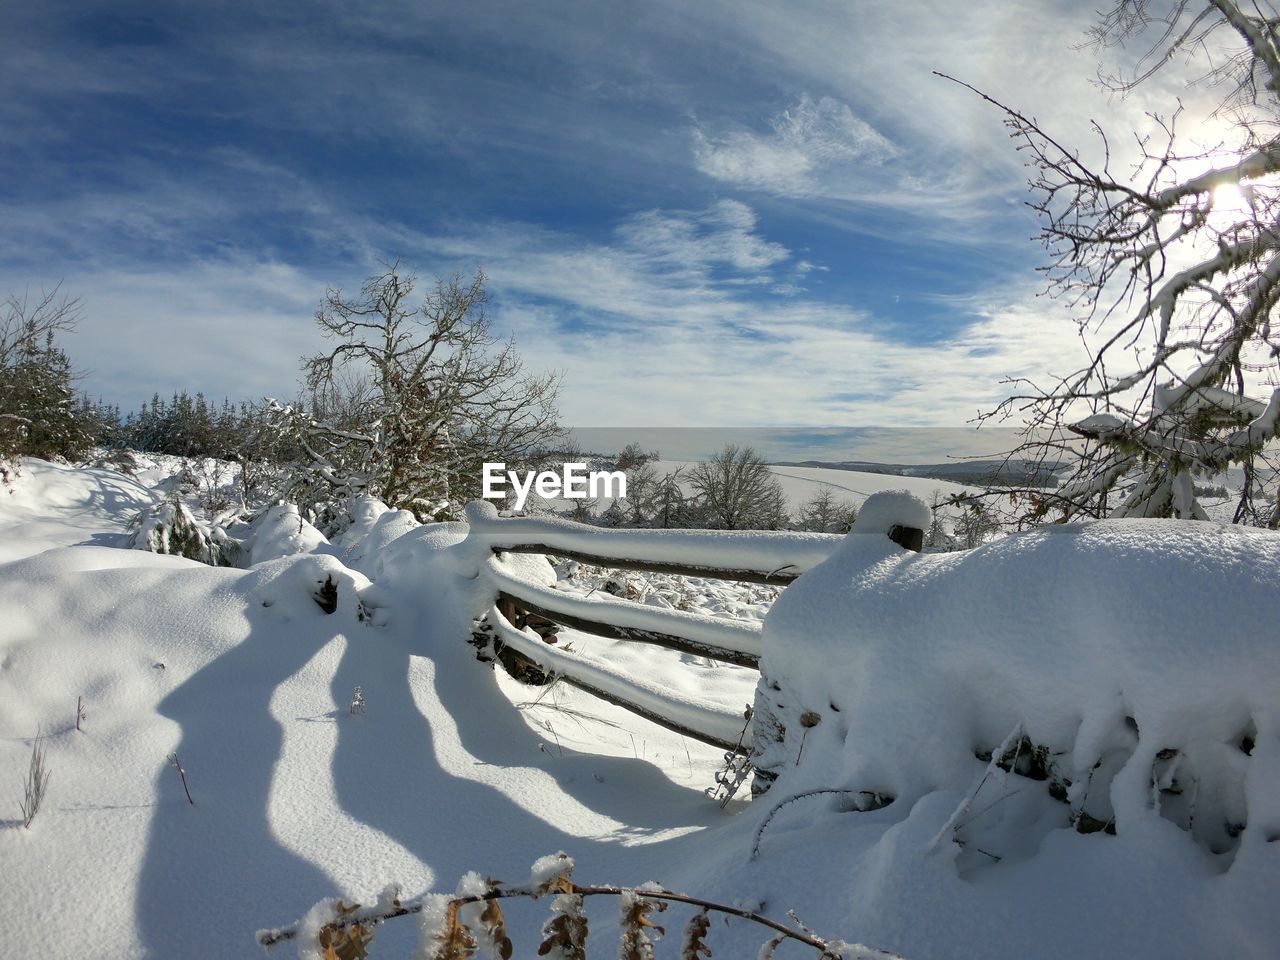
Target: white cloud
649, 340
723, 234
805, 143
661, 323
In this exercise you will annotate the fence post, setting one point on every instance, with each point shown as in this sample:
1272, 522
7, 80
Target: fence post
912, 538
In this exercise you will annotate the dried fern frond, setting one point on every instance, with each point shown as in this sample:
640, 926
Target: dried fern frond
636, 942
694, 945
564, 935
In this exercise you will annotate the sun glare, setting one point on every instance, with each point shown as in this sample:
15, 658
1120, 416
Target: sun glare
1230, 204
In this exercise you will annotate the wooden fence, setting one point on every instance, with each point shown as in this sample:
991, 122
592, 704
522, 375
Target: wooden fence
520, 604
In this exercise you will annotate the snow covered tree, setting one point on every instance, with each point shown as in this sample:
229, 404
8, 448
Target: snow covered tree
670, 506
416, 394
736, 490
975, 524
40, 415
614, 515
634, 455
823, 513
642, 488
1175, 269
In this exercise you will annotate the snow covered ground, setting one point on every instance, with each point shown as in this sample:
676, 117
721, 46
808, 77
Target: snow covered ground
453, 766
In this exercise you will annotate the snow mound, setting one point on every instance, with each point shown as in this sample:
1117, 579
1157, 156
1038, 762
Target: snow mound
892, 508
280, 532
365, 511
54, 505
367, 555
1132, 667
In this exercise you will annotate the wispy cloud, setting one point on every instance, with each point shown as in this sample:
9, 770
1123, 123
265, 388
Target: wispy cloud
720, 212
645, 342
806, 142
723, 234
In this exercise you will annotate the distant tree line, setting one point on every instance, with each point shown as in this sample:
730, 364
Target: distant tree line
187, 426
733, 489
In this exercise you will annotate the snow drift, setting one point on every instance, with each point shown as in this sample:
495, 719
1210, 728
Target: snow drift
1131, 667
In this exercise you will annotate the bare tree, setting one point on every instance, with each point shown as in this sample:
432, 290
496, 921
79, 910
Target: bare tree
737, 491
936, 538
1174, 270
643, 486
416, 394
634, 455
670, 506
823, 513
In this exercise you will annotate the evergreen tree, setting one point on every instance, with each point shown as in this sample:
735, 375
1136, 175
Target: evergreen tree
40, 414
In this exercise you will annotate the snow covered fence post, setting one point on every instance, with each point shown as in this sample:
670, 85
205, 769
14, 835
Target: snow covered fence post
896, 515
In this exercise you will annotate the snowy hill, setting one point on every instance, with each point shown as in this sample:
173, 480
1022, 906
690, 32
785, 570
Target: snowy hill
453, 766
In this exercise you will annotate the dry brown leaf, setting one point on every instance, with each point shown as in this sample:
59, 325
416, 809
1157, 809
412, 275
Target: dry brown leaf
695, 946
495, 929
564, 935
346, 942
636, 942
454, 942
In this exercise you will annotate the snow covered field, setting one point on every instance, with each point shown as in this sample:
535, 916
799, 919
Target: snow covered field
453, 766
802, 483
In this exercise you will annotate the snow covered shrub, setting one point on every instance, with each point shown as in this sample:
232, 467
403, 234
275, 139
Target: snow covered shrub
121, 461
1130, 667
170, 527
280, 532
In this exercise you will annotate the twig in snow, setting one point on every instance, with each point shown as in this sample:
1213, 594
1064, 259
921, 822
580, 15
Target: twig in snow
953, 821
369, 917
755, 846
173, 758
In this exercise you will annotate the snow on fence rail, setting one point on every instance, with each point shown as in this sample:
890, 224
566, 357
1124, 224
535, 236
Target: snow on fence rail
770, 557
730, 641
647, 699
756, 556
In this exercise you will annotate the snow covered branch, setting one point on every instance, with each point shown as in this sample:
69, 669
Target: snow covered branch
1175, 269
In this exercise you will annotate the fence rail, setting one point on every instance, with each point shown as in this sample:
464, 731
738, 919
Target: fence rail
768, 557
730, 641
716, 727
747, 555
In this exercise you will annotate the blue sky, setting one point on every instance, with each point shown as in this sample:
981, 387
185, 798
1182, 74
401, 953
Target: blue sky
710, 213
